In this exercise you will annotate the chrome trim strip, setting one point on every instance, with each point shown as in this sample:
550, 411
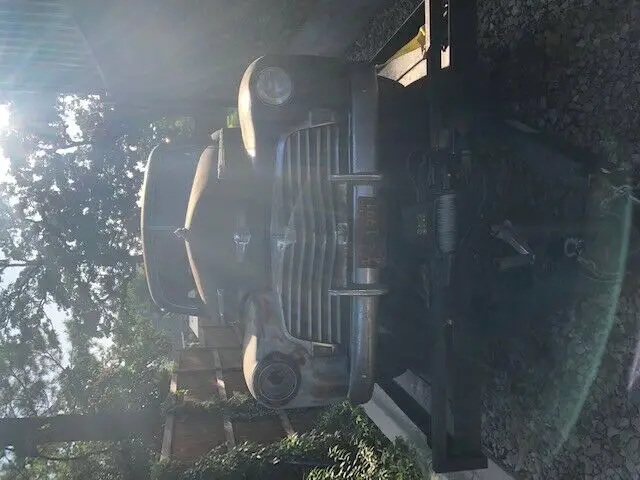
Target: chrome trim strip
332, 314
361, 291
303, 240
319, 269
356, 178
290, 223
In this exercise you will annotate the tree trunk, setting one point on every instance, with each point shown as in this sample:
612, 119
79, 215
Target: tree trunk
25, 433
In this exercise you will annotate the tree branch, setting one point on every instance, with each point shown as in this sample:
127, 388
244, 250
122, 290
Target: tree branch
73, 144
29, 400
23, 263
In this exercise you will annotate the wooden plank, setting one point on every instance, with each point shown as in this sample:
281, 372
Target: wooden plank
196, 359
286, 424
222, 392
191, 370
230, 358
167, 434
216, 360
173, 387
167, 437
219, 336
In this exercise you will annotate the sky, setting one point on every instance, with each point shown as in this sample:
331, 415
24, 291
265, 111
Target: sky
57, 317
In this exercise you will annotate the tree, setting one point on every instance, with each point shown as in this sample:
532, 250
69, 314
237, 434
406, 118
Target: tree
77, 169
75, 222
69, 237
109, 400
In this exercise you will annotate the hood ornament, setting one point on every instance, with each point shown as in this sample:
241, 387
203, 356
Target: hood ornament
182, 233
241, 239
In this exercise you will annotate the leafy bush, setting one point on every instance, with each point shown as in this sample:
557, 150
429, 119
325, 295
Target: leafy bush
367, 453
237, 407
345, 445
285, 459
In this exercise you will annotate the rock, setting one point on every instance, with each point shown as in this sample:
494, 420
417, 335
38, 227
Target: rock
589, 28
612, 432
611, 474
626, 436
594, 450
630, 466
633, 447
588, 467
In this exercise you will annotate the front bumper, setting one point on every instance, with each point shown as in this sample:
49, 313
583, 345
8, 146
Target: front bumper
346, 103
365, 289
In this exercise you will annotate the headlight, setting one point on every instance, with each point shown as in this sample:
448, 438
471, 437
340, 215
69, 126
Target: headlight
274, 86
276, 380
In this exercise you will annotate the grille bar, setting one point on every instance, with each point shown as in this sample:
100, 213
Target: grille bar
309, 202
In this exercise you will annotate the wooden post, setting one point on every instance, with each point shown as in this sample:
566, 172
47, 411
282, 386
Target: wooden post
26, 433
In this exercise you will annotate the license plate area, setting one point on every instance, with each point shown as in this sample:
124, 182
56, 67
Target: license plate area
370, 248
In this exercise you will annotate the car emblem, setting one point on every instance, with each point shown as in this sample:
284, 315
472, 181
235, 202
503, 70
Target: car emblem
342, 234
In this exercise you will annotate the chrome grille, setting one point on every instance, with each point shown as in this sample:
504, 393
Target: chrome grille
313, 206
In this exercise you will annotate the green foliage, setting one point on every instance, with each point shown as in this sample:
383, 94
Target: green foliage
130, 374
77, 169
367, 453
284, 459
69, 218
237, 407
345, 445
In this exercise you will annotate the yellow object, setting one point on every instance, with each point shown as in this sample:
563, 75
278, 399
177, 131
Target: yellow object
232, 118
419, 41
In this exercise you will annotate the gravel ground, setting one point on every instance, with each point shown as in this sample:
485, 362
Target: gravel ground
556, 404
571, 68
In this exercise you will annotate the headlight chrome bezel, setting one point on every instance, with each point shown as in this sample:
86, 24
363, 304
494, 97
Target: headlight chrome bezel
272, 78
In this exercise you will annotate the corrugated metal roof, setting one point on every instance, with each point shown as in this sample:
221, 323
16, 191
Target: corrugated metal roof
42, 49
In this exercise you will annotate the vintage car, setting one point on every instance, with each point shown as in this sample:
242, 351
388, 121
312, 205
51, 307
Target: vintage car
286, 222
278, 225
